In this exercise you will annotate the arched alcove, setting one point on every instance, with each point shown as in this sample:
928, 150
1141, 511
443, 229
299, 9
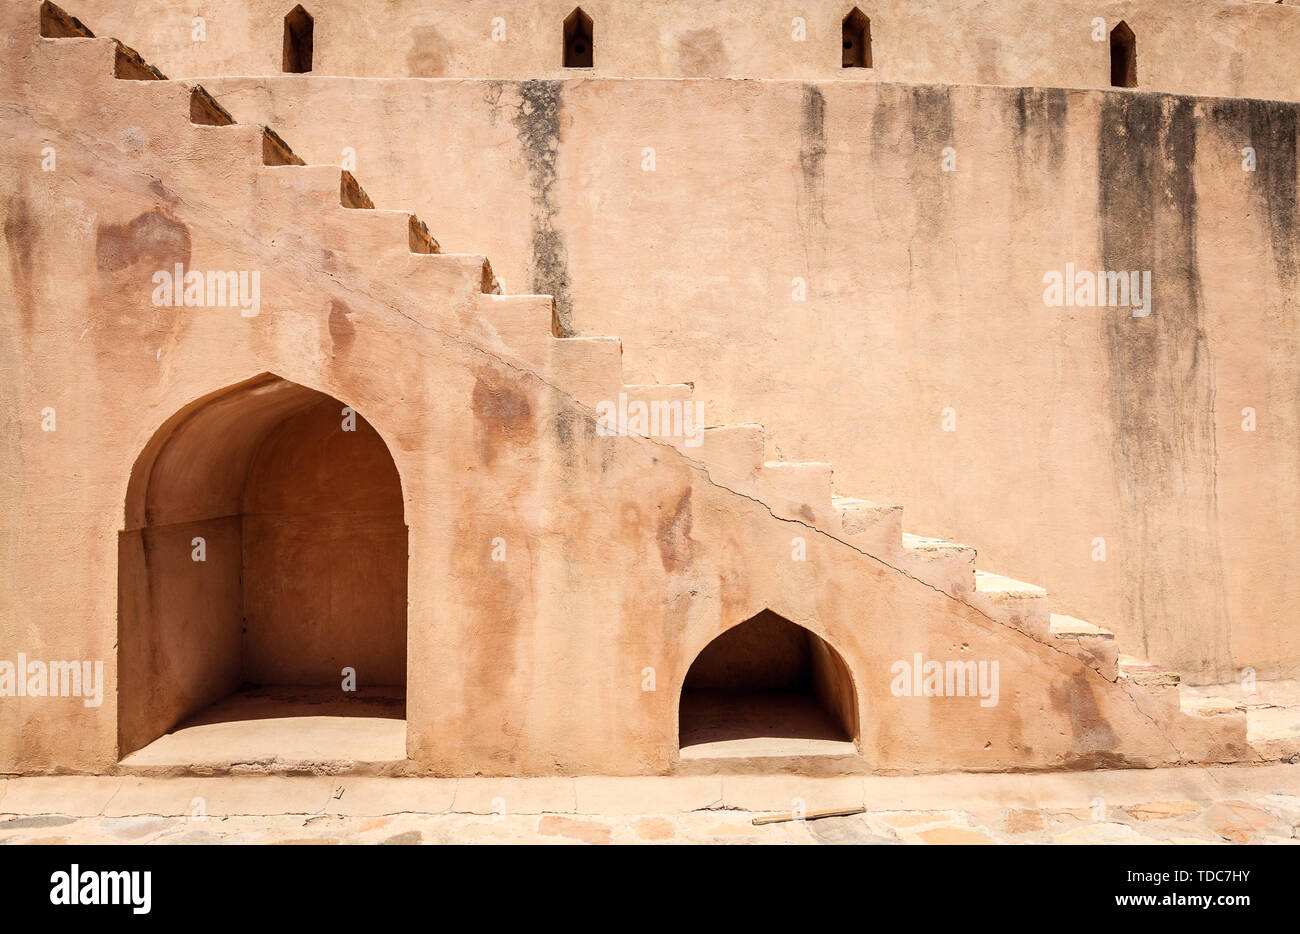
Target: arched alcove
767, 687
265, 552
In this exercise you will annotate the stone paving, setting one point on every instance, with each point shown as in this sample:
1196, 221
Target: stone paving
1224, 806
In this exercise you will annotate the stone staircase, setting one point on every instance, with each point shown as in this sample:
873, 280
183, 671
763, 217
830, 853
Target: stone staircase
527, 329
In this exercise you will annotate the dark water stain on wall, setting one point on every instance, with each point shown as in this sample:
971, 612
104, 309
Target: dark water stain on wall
427, 57
503, 415
987, 52
1040, 116
673, 536
566, 427
701, 53
810, 196
812, 158
492, 97
537, 122
931, 121
20, 230
126, 258
931, 118
1160, 376
923, 217
1270, 128
152, 239
887, 119
1089, 731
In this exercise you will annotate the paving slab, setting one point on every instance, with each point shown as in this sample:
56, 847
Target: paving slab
375, 796
158, 796
648, 795
790, 792
515, 796
238, 795
1231, 804
75, 795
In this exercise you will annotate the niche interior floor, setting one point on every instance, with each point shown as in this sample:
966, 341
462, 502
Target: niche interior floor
285, 724
745, 725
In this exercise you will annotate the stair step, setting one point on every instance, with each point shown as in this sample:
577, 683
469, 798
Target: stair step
86, 59
1272, 710
127, 64
387, 232
942, 564
876, 528
665, 412
1205, 705
320, 186
1274, 732
801, 491
447, 286
1148, 675
1066, 627
520, 325
588, 368
1090, 643
474, 266
240, 148
525, 326
733, 455
990, 583
1014, 603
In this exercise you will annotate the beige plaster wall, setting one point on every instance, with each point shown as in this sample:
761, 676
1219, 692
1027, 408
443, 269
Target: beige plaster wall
923, 286
623, 555
924, 293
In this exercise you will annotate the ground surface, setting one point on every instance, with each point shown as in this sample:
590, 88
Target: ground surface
728, 725
1175, 806
298, 723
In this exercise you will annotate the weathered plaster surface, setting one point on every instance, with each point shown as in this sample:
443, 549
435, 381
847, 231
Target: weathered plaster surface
623, 555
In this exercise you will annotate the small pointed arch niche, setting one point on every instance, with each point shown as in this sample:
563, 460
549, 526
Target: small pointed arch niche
1123, 57
856, 40
579, 51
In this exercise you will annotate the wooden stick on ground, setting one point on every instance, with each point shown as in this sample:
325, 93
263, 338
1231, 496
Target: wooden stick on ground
809, 815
